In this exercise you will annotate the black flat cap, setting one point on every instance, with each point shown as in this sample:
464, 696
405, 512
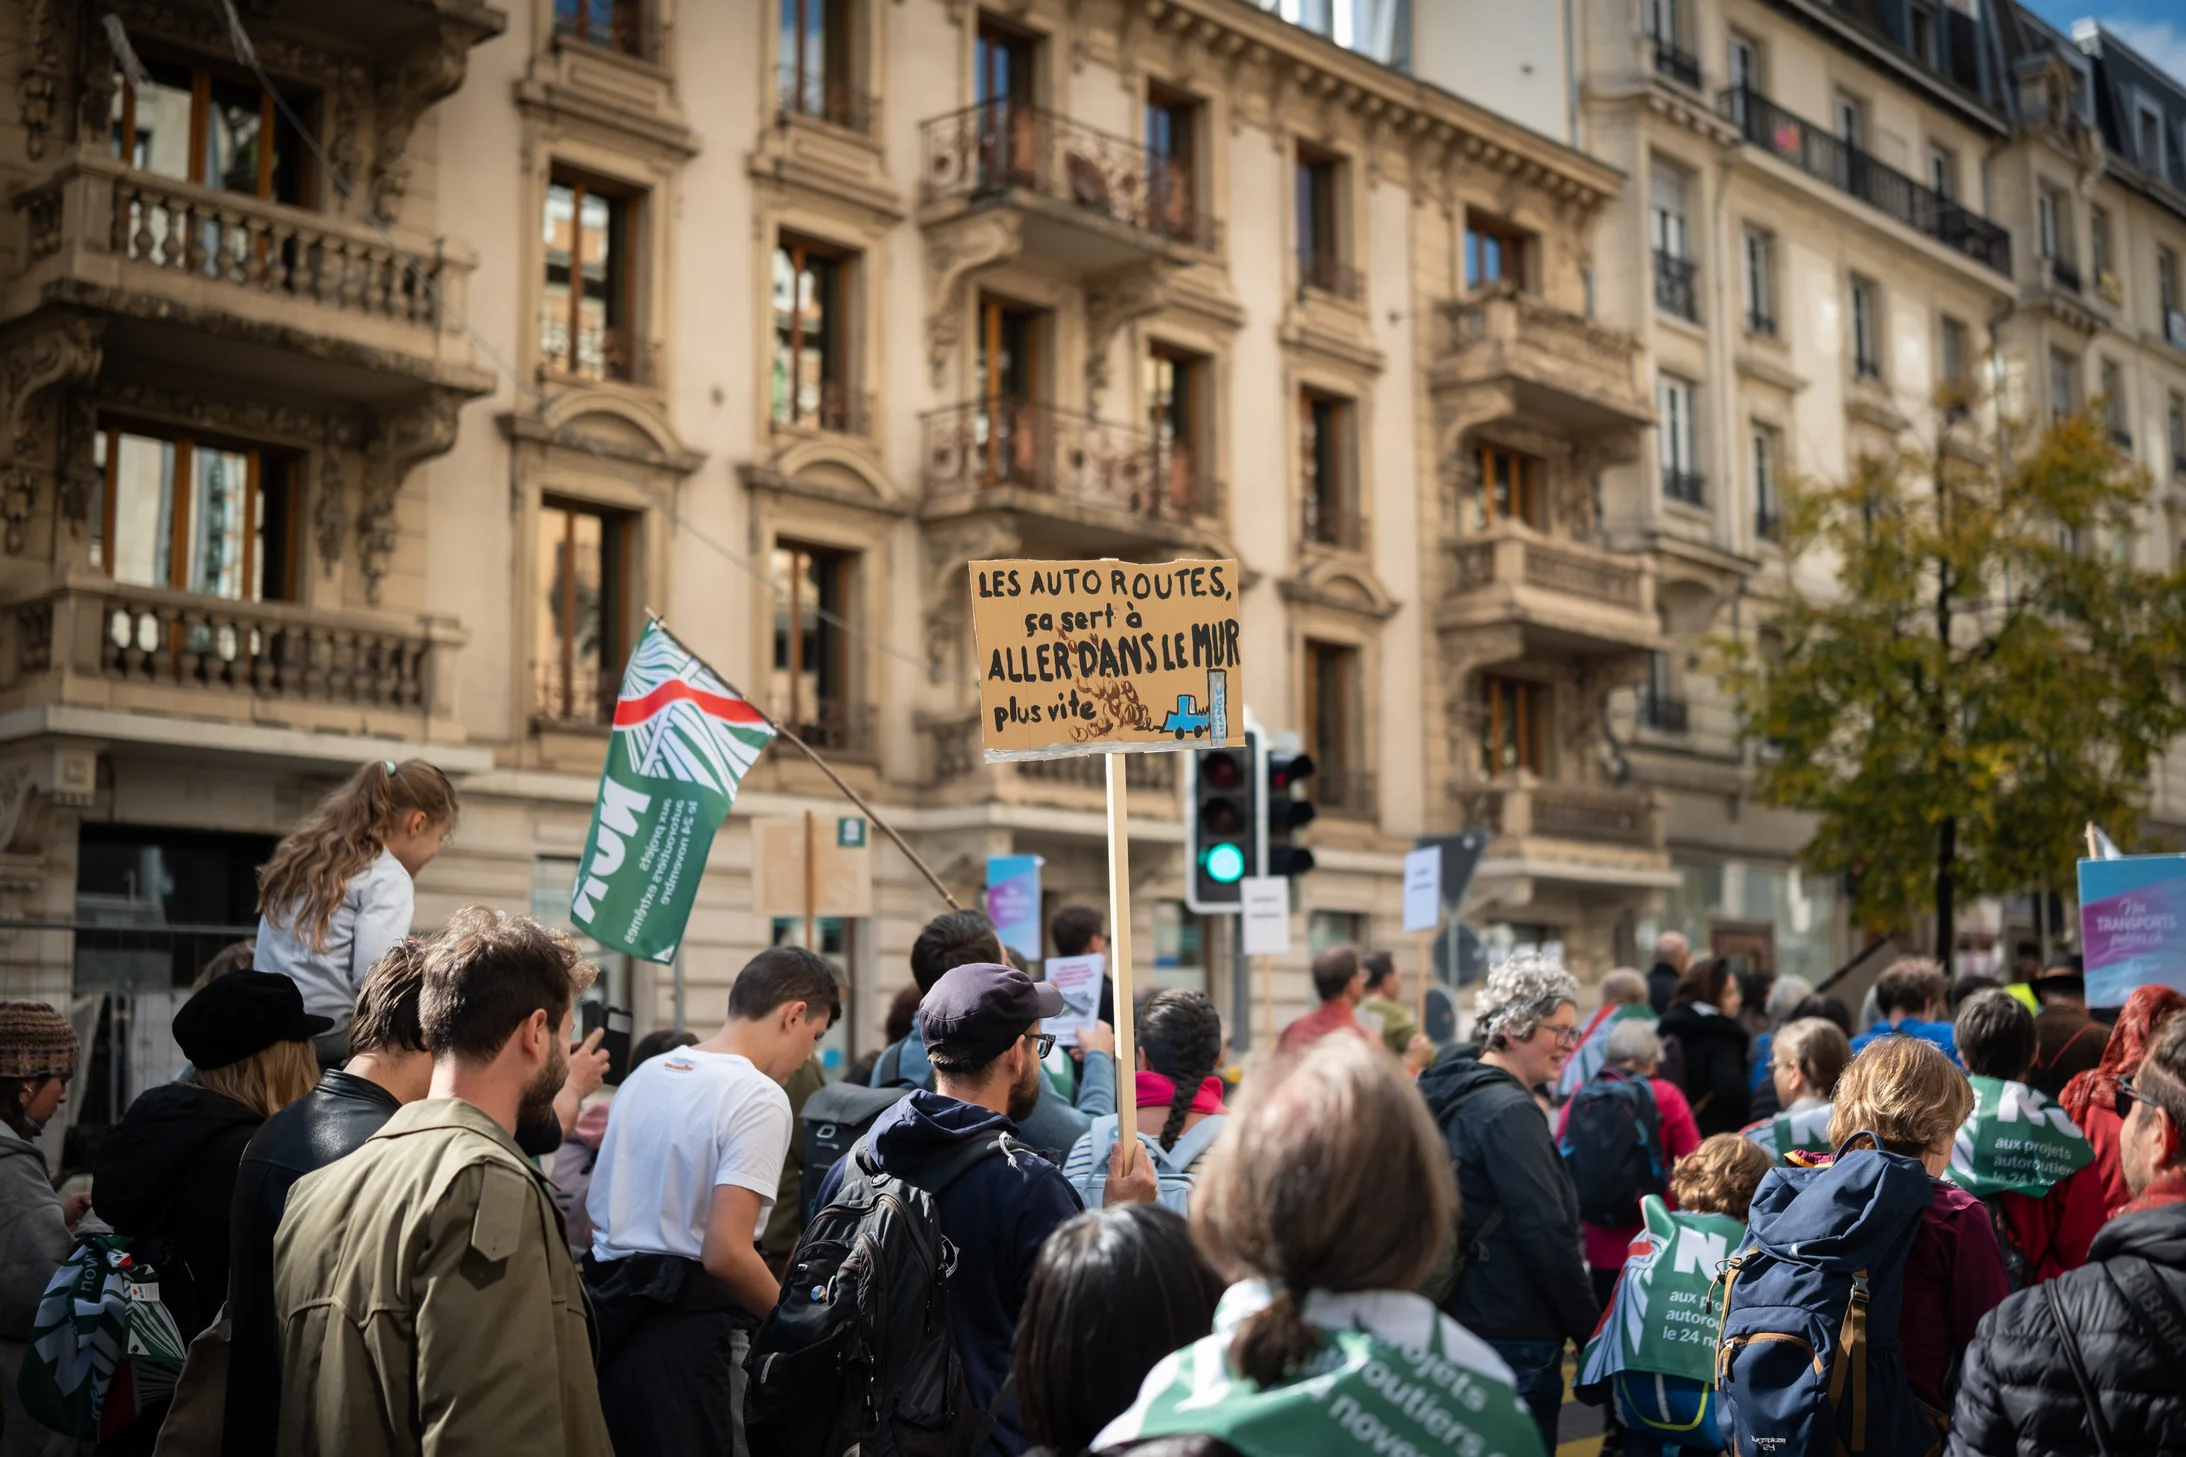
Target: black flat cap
975, 1012
243, 1014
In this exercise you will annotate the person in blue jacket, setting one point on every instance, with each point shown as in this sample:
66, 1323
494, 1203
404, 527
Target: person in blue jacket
1910, 999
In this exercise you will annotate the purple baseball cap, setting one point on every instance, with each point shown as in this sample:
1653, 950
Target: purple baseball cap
975, 1012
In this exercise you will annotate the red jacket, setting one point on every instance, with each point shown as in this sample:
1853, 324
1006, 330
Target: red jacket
1953, 1277
1328, 1017
2054, 1229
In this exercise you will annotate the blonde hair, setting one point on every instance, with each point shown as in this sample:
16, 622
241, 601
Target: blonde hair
267, 1081
1331, 1176
1623, 987
1719, 1177
1818, 1048
301, 886
1905, 1092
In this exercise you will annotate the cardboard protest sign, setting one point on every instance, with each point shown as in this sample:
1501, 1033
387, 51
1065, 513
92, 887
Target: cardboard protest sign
1098, 656
2132, 925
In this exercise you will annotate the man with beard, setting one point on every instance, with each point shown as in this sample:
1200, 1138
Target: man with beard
981, 1027
680, 1194
425, 1292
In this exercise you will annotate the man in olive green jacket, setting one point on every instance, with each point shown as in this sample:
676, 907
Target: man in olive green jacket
426, 1295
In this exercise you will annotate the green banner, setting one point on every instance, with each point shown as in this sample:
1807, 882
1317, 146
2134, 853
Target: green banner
1395, 1377
2016, 1142
1660, 1320
1806, 1131
682, 742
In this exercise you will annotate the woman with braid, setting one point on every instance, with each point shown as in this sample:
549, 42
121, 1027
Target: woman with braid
1180, 1109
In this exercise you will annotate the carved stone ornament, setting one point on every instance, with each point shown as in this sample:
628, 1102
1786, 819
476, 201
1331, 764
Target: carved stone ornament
1110, 304
399, 442
949, 550
330, 512
952, 253
38, 80
400, 93
65, 353
76, 474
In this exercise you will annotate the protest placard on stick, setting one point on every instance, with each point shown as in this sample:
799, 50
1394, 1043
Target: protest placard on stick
1108, 657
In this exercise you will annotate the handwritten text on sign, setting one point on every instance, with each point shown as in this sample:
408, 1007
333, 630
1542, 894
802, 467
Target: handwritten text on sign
1085, 656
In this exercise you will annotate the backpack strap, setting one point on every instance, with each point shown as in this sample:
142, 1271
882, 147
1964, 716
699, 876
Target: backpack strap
1852, 1358
1194, 1141
2152, 1301
2069, 1344
891, 1065
936, 1174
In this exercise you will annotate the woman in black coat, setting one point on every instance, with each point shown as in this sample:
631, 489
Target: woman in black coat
166, 1173
1710, 1065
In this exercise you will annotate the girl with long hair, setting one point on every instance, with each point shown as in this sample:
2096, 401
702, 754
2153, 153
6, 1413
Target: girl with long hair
341, 888
1179, 1101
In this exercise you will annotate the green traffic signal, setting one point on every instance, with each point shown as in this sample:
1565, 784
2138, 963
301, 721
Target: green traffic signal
1224, 863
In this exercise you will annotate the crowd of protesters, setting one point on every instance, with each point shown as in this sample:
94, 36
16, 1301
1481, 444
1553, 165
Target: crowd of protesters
392, 1208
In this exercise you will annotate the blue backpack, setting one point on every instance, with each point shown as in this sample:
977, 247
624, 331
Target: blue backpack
1807, 1356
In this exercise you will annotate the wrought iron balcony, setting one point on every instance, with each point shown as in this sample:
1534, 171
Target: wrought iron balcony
1815, 151
1333, 522
1689, 486
2065, 274
1768, 523
993, 149
1326, 273
831, 407
1343, 793
1664, 713
1761, 322
823, 98
1006, 444
1674, 291
1680, 66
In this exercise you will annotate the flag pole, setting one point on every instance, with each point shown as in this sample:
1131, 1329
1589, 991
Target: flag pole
825, 768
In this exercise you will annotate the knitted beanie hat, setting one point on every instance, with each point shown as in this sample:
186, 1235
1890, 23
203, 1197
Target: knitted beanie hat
35, 1042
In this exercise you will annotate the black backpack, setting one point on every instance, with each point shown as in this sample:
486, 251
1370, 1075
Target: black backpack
857, 1355
1612, 1147
833, 1120
2018, 1267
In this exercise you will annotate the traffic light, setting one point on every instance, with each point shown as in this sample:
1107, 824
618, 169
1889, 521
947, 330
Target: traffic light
1283, 812
1221, 830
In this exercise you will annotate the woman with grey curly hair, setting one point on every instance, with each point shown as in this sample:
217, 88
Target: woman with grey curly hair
1524, 1286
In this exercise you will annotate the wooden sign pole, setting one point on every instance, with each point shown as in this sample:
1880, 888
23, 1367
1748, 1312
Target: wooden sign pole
1426, 969
1119, 945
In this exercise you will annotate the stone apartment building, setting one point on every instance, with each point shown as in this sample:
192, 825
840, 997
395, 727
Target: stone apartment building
1831, 210
769, 318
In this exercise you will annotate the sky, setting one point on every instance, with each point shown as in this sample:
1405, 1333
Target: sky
2155, 28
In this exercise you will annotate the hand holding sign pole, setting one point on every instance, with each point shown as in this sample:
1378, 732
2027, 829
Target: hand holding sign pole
1107, 657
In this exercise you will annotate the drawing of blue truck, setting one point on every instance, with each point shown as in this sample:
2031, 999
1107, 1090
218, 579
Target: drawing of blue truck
1186, 718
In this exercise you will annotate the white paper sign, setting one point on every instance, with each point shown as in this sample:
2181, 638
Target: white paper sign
1423, 889
1078, 978
1266, 904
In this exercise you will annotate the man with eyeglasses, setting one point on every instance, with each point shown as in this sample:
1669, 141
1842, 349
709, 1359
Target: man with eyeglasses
1524, 1287
981, 1028
2090, 1361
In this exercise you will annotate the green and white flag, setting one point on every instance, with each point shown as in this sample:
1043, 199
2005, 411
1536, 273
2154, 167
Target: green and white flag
1661, 1320
1396, 1376
2016, 1142
682, 742
1806, 1131
1593, 1050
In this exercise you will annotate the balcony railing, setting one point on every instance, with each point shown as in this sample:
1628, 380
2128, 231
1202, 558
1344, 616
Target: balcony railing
843, 727
994, 146
1337, 523
1561, 811
614, 354
990, 445
1326, 273
834, 408
1664, 713
1688, 486
1680, 66
2121, 438
1343, 793
823, 98
1768, 523
239, 650
2064, 273
1761, 322
1674, 291
1514, 556
1828, 158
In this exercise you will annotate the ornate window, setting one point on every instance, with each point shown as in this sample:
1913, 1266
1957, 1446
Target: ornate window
579, 648
196, 515
586, 307
211, 126
1513, 717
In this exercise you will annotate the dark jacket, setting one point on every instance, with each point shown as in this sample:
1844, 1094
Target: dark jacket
1527, 1281
1714, 1069
1661, 986
333, 1119
2067, 1042
2017, 1397
997, 1215
167, 1172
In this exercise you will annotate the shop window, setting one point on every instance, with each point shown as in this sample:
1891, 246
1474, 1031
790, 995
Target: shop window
197, 515
578, 656
211, 126
586, 309
1514, 718
1510, 489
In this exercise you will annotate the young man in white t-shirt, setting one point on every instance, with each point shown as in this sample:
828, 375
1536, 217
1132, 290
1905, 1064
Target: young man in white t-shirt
684, 1181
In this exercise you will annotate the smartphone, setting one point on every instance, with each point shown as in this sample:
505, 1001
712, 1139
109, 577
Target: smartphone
615, 1040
